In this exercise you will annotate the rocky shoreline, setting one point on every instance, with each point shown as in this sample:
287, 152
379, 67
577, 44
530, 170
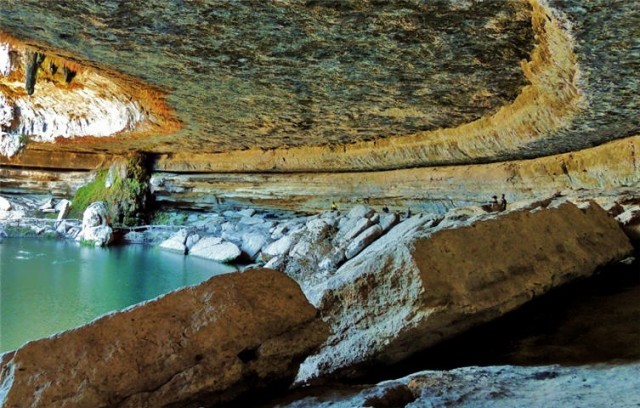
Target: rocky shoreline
385, 285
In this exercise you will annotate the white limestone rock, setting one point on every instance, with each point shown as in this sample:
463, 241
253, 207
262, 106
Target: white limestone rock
330, 263
191, 240
47, 205
314, 245
280, 247
279, 231
63, 208
215, 249
174, 246
360, 242
388, 221
353, 229
62, 228
102, 235
361, 211
247, 212
422, 283
177, 242
251, 221
286, 227
5, 205
5, 59
96, 225
630, 222
252, 243
493, 386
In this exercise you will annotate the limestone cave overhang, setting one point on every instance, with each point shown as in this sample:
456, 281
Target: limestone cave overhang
323, 87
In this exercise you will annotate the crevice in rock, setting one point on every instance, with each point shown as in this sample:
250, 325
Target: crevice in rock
249, 354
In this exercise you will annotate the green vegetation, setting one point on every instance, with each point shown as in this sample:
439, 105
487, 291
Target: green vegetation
169, 218
94, 191
124, 188
20, 231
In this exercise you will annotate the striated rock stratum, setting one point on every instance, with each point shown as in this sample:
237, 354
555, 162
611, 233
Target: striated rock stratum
293, 90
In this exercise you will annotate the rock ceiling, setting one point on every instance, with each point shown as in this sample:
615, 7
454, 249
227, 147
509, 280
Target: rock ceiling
335, 85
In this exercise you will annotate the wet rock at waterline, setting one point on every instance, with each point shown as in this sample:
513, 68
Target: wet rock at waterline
427, 280
96, 225
177, 242
197, 346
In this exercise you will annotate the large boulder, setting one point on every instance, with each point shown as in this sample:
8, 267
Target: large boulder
195, 347
177, 242
252, 243
5, 205
96, 225
215, 249
314, 244
363, 239
423, 282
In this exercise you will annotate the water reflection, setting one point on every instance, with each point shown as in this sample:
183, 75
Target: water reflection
49, 286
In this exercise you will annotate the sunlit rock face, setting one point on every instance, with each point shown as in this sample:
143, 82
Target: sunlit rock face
65, 104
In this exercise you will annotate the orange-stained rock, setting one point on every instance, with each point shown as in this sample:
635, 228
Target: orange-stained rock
199, 345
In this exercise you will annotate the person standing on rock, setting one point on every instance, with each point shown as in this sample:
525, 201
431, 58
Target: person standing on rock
334, 207
503, 203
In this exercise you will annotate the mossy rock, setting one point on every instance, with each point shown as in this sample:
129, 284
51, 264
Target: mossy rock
124, 187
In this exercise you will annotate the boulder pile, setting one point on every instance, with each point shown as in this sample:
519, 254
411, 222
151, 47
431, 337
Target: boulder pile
308, 248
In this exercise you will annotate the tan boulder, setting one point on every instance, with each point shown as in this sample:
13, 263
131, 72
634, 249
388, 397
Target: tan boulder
427, 280
196, 346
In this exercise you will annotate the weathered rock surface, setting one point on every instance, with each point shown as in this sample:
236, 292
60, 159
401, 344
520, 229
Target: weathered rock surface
606, 169
96, 225
215, 249
493, 386
630, 221
177, 242
197, 346
363, 239
5, 205
423, 282
252, 243
63, 207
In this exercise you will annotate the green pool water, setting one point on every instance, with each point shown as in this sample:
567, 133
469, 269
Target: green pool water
50, 286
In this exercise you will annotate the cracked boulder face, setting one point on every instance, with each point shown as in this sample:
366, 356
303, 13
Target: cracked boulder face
426, 281
198, 346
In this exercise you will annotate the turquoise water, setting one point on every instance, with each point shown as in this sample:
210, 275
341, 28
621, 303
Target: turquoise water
50, 286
